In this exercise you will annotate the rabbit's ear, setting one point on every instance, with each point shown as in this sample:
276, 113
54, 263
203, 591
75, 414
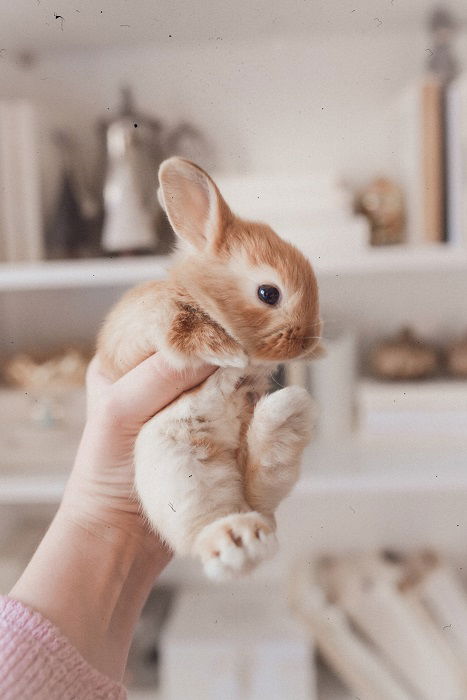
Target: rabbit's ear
160, 198
195, 208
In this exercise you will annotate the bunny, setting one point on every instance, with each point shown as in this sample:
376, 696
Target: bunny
212, 467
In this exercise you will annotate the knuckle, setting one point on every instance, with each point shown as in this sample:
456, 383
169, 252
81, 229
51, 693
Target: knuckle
111, 409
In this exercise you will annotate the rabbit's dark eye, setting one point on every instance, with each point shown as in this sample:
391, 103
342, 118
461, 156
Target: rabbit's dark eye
268, 294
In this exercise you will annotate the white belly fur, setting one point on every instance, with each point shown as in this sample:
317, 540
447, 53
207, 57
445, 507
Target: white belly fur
184, 482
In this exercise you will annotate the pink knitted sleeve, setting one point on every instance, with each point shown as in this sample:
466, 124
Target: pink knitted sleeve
38, 663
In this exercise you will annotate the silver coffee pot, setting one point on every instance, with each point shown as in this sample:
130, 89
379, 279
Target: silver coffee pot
135, 145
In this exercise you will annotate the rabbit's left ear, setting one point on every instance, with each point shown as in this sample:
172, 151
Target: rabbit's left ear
194, 206
160, 198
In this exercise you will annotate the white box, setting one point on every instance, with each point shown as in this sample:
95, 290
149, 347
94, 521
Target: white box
235, 643
431, 408
21, 235
27, 445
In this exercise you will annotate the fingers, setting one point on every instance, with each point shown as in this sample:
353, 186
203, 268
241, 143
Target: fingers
96, 383
148, 388
94, 374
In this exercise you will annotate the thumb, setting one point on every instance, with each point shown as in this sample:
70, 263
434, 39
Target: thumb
149, 387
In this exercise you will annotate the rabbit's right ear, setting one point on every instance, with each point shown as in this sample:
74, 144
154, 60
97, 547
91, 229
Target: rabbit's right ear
193, 204
160, 198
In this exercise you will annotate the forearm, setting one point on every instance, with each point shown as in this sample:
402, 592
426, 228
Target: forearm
91, 580
98, 561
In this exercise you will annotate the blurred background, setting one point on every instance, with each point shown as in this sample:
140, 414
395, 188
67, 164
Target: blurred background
344, 126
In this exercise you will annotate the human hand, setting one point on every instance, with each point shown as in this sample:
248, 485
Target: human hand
98, 561
100, 489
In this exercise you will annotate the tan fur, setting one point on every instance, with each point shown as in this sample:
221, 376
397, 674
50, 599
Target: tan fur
193, 329
125, 339
232, 460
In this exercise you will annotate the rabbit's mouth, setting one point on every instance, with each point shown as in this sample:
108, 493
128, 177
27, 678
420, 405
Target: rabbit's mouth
287, 345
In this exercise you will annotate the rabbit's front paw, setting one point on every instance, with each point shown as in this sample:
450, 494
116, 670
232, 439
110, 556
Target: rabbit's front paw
235, 359
280, 428
234, 545
284, 417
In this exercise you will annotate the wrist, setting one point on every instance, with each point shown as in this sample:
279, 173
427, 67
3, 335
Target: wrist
91, 579
102, 533
112, 519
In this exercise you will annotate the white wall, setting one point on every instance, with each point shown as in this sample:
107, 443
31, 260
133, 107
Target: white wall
330, 101
284, 104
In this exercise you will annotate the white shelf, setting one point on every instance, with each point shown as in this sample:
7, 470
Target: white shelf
322, 484
98, 272
329, 689
357, 467
101, 272
36, 489
397, 259
360, 465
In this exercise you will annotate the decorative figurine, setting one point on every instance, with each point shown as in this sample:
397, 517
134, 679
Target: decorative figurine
456, 358
404, 357
70, 231
382, 202
441, 61
47, 378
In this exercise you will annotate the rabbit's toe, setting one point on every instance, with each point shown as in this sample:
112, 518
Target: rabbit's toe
234, 545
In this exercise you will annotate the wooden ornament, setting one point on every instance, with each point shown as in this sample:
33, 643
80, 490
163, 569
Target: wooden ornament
404, 357
456, 358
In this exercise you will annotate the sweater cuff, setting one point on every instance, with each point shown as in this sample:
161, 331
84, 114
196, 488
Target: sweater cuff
38, 663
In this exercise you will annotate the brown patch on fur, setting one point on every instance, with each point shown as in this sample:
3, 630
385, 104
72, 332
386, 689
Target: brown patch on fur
194, 331
236, 539
246, 381
207, 450
206, 445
